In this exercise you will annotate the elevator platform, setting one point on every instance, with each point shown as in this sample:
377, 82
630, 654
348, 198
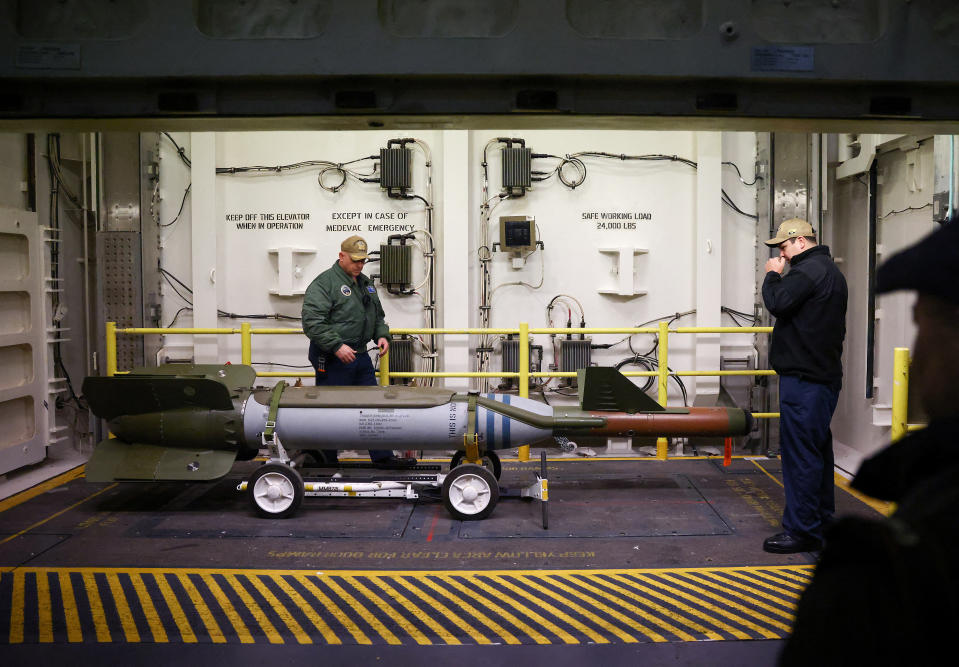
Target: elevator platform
637, 552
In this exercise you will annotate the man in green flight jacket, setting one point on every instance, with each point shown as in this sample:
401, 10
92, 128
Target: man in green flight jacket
341, 315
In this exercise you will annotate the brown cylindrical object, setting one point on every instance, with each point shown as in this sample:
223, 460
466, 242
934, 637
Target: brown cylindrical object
686, 422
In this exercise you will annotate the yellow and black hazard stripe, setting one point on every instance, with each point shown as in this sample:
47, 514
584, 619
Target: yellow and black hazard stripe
64, 605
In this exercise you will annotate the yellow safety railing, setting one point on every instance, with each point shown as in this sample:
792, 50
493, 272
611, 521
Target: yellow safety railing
247, 332
900, 395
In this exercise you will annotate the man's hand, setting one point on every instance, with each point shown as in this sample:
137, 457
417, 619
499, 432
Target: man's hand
776, 264
384, 345
345, 353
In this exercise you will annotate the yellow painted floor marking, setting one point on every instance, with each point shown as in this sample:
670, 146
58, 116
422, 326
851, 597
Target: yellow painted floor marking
470, 608
242, 632
755, 596
780, 586
768, 474
539, 604
406, 625
360, 609
732, 604
308, 611
489, 603
123, 609
40, 489
16, 609
884, 508
425, 616
455, 619
182, 623
787, 578
74, 631
271, 634
326, 603
643, 612
280, 610
582, 627
54, 516
603, 623
725, 614
146, 604
44, 610
685, 608
412, 573
96, 608
663, 611
212, 629
881, 506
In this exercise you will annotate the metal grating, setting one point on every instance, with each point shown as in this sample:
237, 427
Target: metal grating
119, 276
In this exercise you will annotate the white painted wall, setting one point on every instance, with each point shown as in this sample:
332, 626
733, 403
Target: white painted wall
860, 425
573, 263
681, 222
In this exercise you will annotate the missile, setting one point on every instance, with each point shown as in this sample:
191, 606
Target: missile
192, 422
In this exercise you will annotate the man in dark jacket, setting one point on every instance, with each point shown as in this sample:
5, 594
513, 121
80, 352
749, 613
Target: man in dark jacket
341, 314
809, 304
886, 591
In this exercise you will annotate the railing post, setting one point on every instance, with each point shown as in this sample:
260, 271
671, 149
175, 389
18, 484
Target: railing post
523, 452
111, 349
900, 393
385, 369
246, 344
662, 444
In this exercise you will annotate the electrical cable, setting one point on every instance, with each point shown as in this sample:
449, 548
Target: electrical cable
179, 151
170, 278
646, 363
325, 167
182, 202
173, 321
903, 210
650, 157
756, 176
542, 277
736, 315
57, 185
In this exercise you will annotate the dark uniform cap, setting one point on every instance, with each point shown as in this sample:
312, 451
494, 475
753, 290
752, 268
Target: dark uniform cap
929, 266
355, 247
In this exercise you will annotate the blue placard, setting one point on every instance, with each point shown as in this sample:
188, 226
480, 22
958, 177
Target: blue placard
782, 59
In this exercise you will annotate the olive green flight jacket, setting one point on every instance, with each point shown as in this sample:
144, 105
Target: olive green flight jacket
337, 310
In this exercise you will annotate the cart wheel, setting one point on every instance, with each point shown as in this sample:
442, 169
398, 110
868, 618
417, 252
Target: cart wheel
489, 460
276, 491
470, 492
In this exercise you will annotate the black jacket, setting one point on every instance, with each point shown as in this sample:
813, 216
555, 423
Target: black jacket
809, 303
886, 591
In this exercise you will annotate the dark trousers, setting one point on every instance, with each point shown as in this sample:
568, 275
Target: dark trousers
805, 441
357, 373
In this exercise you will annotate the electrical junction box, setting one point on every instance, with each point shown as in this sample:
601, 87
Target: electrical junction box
396, 265
517, 170
517, 233
396, 169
